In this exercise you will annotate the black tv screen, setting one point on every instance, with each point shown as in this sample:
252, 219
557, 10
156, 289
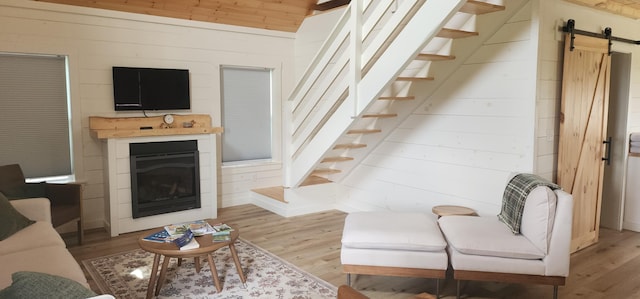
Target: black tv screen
150, 89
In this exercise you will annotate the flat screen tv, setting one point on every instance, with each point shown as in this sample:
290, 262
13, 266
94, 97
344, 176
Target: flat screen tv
150, 89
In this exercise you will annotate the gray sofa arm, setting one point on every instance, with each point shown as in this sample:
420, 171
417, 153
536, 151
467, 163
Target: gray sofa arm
37, 209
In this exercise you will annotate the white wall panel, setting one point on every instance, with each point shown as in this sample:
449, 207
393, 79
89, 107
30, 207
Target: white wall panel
460, 145
95, 40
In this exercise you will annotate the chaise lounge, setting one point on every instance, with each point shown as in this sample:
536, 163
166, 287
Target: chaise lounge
488, 249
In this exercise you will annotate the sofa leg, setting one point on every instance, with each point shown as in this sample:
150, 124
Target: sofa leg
437, 288
80, 232
458, 289
555, 292
349, 279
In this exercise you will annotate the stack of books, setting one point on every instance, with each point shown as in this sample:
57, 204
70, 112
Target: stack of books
222, 232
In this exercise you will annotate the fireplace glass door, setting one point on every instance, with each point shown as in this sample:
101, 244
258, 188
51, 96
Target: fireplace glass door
164, 179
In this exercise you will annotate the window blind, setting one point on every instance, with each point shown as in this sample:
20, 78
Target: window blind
35, 115
246, 114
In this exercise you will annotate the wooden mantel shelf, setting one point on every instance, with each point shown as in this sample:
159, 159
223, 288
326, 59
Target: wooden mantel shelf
124, 127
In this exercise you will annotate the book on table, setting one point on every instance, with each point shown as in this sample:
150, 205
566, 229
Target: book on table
187, 241
222, 229
222, 238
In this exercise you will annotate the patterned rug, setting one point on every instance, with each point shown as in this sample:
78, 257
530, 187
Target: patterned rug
126, 275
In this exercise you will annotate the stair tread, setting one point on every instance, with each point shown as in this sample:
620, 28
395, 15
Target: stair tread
455, 33
479, 8
336, 159
349, 146
315, 180
434, 57
398, 98
381, 115
414, 79
364, 131
276, 192
325, 171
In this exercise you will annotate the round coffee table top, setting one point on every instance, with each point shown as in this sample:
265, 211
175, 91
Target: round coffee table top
171, 250
449, 210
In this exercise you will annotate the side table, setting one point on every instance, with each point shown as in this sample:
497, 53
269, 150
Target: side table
449, 210
166, 251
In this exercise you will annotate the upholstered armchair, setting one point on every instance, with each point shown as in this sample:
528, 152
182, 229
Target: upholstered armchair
66, 199
535, 250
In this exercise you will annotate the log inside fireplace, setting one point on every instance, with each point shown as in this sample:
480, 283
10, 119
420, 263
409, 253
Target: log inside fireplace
165, 177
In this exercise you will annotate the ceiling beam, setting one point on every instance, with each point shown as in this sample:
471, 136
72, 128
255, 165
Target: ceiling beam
331, 4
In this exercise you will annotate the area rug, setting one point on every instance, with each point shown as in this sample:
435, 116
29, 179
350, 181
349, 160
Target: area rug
126, 275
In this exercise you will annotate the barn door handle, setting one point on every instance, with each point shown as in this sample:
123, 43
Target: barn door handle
607, 150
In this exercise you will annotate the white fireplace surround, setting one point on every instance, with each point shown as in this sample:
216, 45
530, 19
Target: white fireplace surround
118, 215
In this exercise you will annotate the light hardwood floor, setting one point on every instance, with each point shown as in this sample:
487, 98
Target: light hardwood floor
609, 269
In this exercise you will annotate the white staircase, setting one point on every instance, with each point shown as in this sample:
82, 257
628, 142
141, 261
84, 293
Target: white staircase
381, 61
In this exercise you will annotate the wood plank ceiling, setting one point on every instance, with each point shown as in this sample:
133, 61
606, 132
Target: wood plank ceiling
281, 15
627, 8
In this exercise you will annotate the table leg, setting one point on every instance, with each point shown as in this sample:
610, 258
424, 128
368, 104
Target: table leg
196, 260
163, 274
214, 273
154, 273
236, 260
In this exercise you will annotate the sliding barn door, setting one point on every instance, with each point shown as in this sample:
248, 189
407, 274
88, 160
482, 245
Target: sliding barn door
583, 126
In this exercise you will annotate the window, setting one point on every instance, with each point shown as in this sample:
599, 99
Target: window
246, 114
35, 114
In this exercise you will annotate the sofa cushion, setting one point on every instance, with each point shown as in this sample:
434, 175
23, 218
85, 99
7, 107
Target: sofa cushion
538, 216
392, 230
39, 234
11, 221
27, 285
54, 260
486, 236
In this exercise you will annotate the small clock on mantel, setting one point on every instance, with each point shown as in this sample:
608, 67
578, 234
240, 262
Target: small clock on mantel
168, 119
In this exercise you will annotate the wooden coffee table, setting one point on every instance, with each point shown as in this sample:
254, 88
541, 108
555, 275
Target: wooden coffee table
449, 210
169, 250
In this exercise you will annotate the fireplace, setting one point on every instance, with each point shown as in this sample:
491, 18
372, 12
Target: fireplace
165, 177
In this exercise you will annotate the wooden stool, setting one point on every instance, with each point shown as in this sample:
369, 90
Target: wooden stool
448, 210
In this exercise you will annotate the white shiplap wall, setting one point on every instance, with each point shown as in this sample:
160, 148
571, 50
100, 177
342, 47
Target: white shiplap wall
237, 179
498, 113
461, 144
95, 40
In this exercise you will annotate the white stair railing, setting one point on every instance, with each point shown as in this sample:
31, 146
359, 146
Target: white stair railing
379, 36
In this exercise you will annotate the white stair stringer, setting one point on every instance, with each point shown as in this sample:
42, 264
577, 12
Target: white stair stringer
300, 201
425, 24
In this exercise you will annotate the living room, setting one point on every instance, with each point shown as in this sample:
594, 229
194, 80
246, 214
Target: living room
96, 40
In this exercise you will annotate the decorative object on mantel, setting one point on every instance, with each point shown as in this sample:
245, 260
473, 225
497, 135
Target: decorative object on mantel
268, 276
121, 127
634, 144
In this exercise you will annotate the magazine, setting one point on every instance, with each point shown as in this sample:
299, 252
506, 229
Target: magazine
198, 228
159, 237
